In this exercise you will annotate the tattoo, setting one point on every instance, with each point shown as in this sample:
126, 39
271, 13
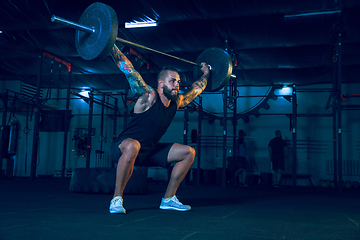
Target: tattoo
196, 88
202, 82
136, 82
155, 97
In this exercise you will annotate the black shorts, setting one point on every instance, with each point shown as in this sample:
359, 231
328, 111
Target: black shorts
148, 157
278, 162
240, 162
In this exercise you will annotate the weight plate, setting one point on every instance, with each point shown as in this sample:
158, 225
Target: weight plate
222, 67
103, 19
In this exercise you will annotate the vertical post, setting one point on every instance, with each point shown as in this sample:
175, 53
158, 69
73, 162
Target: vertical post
3, 123
116, 109
186, 125
199, 143
234, 121
115, 117
335, 166
225, 99
126, 107
339, 66
37, 109
185, 137
102, 122
66, 126
334, 118
294, 137
88, 142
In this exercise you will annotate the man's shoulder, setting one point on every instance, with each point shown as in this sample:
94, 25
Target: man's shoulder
273, 140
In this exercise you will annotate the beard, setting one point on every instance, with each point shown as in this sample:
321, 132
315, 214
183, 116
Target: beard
168, 94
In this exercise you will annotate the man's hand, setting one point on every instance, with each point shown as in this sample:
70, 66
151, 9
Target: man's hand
205, 68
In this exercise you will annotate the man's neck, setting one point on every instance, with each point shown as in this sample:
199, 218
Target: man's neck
164, 99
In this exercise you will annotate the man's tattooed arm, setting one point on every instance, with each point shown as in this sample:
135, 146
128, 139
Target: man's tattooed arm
196, 88
136, 82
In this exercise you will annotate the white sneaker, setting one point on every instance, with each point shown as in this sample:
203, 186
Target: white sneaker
116, 205
173, 204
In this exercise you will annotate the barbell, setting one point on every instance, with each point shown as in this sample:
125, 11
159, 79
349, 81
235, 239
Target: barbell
96, 34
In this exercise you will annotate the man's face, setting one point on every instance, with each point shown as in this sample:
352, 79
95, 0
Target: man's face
171, 85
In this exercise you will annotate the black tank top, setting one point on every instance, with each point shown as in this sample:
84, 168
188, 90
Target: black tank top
148, 127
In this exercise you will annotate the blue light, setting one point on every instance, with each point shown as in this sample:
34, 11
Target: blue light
136, 24
285, 91
84, 93
312, 14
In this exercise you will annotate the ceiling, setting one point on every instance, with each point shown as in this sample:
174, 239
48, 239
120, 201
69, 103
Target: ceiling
268, 43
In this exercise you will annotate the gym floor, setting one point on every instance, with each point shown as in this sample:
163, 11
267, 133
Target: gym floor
46, 209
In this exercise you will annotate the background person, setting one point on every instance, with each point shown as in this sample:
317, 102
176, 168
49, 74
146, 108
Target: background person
277, 152
241, 159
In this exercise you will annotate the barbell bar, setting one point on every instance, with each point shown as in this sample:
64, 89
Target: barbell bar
96, 34
91, 30
156, 51
72, 24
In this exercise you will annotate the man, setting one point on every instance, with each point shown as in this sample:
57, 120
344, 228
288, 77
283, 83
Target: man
278, 153
241, 158
153, 113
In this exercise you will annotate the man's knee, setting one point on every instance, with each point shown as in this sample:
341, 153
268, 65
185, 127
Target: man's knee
191, 153
129, 149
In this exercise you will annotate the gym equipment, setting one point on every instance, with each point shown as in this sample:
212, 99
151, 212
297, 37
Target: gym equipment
222, 67
348, 185
194, 136
102, 180
266, 179
96, 33
327, 184
253, 180
98, 44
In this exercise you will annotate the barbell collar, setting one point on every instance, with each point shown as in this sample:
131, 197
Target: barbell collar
72, 24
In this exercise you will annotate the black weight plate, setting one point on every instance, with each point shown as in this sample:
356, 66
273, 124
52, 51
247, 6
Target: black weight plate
222, 67
103, 19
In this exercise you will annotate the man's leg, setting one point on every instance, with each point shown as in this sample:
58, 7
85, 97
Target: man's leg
275, 165
281, 168
184, 156
275, 173
239, 177
278, 177
130, 149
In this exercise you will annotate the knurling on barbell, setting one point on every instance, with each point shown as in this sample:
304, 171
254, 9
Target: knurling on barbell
96, 34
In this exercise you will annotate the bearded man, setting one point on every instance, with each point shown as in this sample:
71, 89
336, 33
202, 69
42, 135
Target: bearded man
138, 144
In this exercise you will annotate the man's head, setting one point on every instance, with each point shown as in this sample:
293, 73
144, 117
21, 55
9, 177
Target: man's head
168, 83
277, 133
242, 133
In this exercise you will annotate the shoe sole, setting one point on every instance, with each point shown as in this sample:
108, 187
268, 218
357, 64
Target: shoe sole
120, 212
176, 209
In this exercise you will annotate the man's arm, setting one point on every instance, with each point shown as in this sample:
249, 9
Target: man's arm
136, 82
269, 150
196, 88
286, 156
